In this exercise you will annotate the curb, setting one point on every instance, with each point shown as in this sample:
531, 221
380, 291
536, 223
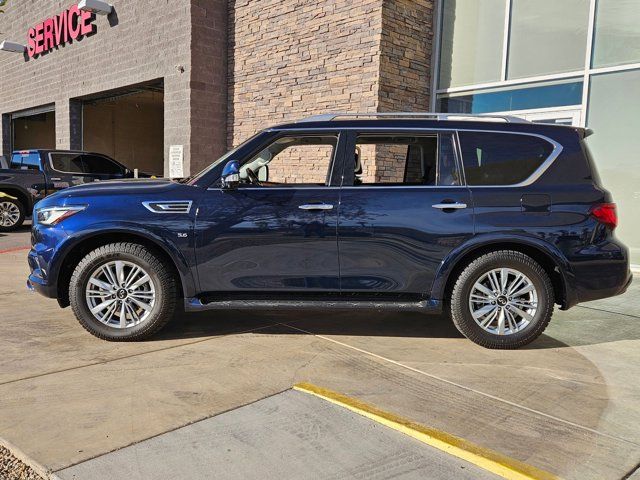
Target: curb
20, 455
484, 458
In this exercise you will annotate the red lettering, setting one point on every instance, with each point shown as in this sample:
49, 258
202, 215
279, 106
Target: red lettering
31, 45
60, 29
38, 39
87, 26
73, 22
48, 34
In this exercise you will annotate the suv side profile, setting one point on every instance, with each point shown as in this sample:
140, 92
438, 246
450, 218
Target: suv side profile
492, 220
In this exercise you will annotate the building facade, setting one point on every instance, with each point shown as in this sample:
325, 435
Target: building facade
167, 87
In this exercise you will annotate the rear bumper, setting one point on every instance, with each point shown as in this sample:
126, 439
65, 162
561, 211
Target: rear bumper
603, 271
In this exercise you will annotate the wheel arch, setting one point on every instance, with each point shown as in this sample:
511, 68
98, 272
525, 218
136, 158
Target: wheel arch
551, 260
82, 246
21, 194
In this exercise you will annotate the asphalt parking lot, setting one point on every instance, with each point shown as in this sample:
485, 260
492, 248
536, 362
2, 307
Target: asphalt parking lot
568, 404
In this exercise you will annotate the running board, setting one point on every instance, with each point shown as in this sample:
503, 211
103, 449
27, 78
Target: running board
425, 306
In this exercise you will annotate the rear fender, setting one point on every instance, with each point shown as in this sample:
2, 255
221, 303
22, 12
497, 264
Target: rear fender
452, 263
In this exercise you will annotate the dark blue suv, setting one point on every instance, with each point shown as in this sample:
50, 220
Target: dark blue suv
492, 220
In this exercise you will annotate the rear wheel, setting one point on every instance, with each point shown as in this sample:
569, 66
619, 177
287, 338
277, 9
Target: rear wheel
503, 299
12, 214
122, 291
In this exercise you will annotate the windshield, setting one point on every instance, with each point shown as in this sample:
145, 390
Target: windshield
194, 178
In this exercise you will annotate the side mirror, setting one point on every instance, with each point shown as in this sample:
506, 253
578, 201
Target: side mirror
230, 175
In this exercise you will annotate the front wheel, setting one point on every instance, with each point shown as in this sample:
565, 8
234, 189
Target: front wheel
503, 300
12, 214
122, 292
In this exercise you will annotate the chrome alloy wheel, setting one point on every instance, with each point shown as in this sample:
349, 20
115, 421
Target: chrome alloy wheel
503, 301
9, 214
120, 294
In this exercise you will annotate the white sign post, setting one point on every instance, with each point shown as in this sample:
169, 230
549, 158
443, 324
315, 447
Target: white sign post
176, 161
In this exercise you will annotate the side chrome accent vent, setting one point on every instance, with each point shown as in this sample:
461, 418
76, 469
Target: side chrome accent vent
169, 206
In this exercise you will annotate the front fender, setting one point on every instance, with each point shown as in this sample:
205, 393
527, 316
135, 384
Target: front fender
452, 261
176, 252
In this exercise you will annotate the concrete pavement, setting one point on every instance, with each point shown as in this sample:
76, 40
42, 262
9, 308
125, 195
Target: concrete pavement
287, 436
567, 404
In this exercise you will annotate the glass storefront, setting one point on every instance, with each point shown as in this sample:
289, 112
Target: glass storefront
570, 62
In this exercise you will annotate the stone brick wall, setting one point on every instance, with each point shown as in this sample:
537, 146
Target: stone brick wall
293, 58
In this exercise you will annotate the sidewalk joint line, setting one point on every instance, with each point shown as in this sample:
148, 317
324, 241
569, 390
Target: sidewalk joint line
469, 389
125, 357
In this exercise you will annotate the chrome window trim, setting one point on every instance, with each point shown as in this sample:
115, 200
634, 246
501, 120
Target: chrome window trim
148, 206
555, 153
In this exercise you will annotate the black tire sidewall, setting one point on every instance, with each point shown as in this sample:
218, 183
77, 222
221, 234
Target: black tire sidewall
77, 295
462, 290
20, 221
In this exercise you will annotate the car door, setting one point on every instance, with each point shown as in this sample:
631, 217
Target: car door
66, 170
404, 207
275, 232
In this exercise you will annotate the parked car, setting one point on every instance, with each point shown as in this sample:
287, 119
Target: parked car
492, 220
33, 174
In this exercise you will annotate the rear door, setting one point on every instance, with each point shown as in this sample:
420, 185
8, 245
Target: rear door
404, 207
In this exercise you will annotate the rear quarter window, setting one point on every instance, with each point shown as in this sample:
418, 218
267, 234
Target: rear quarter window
501, 158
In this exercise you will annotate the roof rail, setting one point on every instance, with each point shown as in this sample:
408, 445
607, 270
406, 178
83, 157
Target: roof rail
327, 117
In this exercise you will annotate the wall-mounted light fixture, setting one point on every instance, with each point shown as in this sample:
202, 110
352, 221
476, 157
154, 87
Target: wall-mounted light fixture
7, 46
95, 6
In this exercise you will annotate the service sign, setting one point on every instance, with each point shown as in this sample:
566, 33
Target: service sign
72, 24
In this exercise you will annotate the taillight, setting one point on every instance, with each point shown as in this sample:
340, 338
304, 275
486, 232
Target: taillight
606, 214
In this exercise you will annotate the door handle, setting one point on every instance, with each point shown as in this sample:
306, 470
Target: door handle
316, 206
447, 206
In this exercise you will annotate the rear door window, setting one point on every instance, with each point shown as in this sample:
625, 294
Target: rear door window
99, 165
67, 162
501, 158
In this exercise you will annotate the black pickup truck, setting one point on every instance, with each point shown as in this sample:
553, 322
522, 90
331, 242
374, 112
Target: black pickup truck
33, 174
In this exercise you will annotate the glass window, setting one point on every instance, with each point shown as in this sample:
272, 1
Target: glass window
617, 33
547, 36
291, 160
26, 160
471, 42
556, 94
612, 114
402, 160
100, 165
501, 158
67, 162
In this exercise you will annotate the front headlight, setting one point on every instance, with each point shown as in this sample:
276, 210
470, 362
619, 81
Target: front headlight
54, 215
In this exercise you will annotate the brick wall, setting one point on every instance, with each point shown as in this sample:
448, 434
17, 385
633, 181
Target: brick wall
292, 58
181, 42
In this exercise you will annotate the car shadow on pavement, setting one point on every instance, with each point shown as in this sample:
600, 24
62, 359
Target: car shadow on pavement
366, 323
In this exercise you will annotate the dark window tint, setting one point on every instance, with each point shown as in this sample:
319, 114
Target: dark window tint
67, 162
97, 164
26, 161
501, 158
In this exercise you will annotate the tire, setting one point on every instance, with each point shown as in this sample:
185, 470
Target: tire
12, 214
509, 323
158, 294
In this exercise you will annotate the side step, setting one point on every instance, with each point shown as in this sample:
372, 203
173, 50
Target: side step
425, 306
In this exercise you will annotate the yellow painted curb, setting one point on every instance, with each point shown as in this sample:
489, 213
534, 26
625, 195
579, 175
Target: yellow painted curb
458, 447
